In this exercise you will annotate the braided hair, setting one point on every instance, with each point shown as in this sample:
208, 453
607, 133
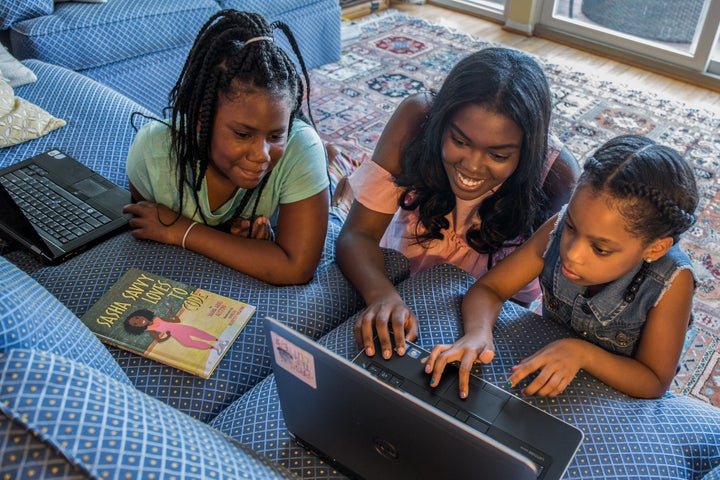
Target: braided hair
506, 82
652, 186
233, 53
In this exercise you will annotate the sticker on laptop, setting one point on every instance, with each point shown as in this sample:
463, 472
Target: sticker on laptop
294, 359
413, 352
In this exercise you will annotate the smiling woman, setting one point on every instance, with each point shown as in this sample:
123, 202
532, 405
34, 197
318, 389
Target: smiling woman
224, 185
457, 177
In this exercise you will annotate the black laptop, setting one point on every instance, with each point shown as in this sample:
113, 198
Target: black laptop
56, 207
372, 418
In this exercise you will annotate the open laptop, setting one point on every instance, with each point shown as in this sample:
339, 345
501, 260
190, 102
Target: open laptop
373, 418
56, 207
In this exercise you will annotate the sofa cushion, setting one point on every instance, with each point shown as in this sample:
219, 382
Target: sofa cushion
32, 318
673, 437
103, 428
12, 11
147, 79
313, 309
314, 23
81, 36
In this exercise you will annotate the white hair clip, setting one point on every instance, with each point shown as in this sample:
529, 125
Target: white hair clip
257, 39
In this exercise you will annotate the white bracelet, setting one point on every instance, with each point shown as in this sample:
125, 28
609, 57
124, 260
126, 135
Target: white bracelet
186, 233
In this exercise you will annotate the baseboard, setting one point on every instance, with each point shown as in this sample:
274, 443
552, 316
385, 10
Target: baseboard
361, 9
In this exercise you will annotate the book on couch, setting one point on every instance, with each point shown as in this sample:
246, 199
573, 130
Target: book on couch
168, 321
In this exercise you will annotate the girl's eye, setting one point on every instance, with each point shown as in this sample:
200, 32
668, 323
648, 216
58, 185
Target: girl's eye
601, 251
499, 156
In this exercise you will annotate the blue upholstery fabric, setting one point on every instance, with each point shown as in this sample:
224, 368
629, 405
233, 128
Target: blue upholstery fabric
673, 437
138, 48
98, 131
314, 22
714, 474
146, 80
312, 309
82, 36
32, 318
12, 11
102, 428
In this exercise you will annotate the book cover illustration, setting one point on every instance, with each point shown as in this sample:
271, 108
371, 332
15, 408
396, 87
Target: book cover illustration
168, 321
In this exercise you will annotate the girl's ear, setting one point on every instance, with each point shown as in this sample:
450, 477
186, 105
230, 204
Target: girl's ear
658, 248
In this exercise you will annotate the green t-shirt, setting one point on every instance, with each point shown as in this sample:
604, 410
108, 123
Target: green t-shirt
300, 173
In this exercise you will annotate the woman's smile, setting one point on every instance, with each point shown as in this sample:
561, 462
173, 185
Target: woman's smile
467, 182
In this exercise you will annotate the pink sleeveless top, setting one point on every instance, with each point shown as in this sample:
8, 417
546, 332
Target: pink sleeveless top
375, 189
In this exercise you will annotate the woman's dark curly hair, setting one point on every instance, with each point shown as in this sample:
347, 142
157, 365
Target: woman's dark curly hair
221, 63
650, 184
506, 82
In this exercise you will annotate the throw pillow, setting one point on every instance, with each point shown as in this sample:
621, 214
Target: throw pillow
14, 72
81, 1
21, 120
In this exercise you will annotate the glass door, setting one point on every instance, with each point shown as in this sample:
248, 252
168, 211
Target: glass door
714, 67
678, 32
493, 9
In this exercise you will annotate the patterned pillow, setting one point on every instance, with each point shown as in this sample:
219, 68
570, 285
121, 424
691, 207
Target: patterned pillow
13, 11
14, 72
81, 1
21, 120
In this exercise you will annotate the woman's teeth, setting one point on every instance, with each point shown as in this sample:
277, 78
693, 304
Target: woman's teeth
469, 182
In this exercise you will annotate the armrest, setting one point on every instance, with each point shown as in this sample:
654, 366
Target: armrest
84, 421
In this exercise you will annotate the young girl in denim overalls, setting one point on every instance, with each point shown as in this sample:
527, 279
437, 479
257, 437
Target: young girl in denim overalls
610, 269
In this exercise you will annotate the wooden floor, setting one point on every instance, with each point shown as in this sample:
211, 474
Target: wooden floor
633, 77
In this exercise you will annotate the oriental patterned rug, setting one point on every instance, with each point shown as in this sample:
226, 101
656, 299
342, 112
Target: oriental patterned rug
396, 55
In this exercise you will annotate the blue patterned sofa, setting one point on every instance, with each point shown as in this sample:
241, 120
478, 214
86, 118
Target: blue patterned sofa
70, 408
674, 437
138, 47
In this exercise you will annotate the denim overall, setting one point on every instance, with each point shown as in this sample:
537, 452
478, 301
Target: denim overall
614, 317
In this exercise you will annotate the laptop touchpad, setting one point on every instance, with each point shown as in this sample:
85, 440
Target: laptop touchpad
89, 187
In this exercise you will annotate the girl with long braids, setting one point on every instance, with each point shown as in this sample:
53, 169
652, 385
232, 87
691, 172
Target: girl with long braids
460, 176
237, 173
610, 269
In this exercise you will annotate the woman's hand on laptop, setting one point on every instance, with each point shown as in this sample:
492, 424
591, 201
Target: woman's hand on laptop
467, 351
383, 315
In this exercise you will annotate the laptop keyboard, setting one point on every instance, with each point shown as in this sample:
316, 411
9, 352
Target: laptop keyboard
49, 207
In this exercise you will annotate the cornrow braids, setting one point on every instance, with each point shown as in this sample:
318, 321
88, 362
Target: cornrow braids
233, 53
653, 187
